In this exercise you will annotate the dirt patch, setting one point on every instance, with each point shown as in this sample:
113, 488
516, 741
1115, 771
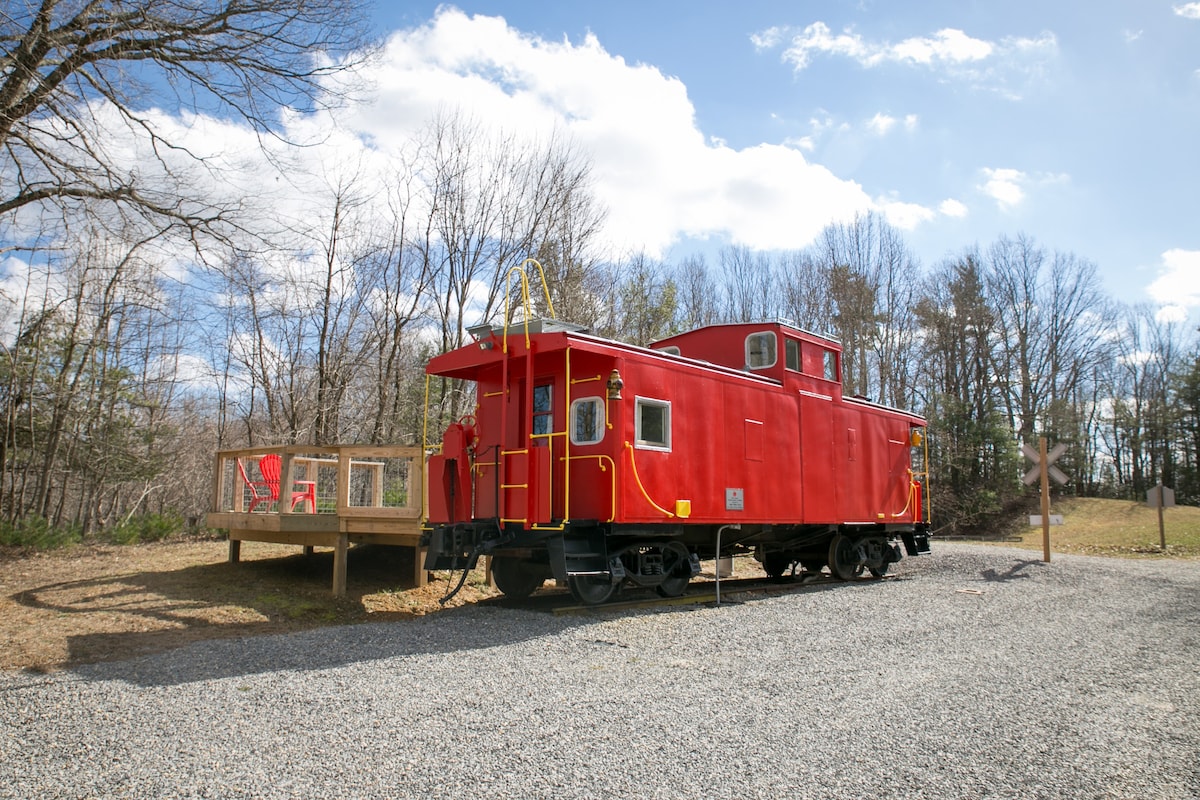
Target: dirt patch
104, 603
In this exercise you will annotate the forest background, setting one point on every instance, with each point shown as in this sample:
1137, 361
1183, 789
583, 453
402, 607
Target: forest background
156, 307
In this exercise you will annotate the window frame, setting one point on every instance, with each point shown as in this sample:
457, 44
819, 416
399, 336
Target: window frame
791, 347
830, 364
600, 420
547, 414
774, 348
639, 441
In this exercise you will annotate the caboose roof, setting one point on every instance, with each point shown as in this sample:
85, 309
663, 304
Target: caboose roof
465, 362
722, 330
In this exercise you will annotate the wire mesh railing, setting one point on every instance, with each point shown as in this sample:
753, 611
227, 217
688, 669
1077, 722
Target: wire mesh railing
346, 480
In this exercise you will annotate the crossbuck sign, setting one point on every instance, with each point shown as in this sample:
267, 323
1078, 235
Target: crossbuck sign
1044, 470
1055, 474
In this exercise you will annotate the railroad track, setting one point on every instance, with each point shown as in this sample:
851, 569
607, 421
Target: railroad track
560, 602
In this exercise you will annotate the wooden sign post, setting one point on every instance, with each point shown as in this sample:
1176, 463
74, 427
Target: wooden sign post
1161, 497
1044, 469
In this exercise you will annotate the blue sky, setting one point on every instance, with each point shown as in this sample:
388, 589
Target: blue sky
1075, 123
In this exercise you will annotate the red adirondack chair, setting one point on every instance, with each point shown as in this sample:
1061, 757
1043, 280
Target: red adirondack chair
267, 490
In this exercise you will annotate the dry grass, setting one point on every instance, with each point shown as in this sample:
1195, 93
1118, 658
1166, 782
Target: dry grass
1092, 526
101, 603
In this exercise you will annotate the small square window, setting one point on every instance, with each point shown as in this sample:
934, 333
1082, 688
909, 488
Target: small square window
543, 410
791, 350
653, 424
830, 366
760, 350
541, 399
587, 420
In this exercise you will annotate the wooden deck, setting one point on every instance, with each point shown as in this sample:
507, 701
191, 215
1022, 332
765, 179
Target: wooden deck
365, 495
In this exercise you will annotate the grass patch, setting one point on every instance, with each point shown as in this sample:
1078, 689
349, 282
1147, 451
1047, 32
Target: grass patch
146, 528
1093, 526
35, 533
297, 607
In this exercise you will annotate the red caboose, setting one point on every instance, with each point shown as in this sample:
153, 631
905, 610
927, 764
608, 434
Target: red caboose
600, 463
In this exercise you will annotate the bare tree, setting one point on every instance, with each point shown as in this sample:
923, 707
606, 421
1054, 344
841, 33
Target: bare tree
872, 277
492, 201
72, 69
806, 293
698, 294
1144, 419
393, 280
972, 450
646, 300
751, 294
1053, 322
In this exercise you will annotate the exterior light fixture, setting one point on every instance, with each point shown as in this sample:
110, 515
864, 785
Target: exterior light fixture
615, 385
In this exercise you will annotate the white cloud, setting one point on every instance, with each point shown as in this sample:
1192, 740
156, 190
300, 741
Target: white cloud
1171, 314
1004, 186
947, 46
953, 208
996, 65
653, 167
880, 124
1189, 10
659, 176
1009, 187
905, 216
1178, 282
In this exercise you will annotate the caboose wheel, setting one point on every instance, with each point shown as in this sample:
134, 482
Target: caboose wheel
881, 570
776, 562
844, 562
592, 590
515, 577
678, 570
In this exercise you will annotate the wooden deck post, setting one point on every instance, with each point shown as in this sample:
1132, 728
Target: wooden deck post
420, 576
235, 550
339, 564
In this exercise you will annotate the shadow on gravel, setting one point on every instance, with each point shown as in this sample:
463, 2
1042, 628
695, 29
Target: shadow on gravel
1015, 572
455, 630
139, 613
489, 623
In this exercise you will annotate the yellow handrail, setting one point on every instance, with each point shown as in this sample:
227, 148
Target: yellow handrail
602, 458
638, 479
908, 503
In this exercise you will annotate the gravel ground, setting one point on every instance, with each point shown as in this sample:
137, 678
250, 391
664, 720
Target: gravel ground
980, 672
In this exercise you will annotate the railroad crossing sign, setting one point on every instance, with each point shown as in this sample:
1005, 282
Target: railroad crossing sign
1043, 470
1055, 474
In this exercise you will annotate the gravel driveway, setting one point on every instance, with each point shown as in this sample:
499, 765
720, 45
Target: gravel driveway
980, 672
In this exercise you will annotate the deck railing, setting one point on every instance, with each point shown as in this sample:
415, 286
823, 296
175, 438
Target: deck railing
365, 494
366, 481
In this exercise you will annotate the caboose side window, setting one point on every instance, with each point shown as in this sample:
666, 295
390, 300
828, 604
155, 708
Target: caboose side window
653, 424
791, 351
543, 410
760, 350
831, 373
587, 420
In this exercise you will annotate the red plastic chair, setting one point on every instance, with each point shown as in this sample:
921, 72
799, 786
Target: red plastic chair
267, 490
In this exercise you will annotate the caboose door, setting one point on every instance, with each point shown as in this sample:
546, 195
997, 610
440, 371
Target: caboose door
527, 478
